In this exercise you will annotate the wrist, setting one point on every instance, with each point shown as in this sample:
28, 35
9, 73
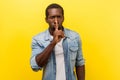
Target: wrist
53, 42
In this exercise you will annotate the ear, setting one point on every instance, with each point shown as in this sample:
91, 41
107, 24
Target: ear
46, 19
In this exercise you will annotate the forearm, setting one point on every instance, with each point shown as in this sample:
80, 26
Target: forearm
80, 71
43, 57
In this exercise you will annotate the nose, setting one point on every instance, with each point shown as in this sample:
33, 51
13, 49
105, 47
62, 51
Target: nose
56, 20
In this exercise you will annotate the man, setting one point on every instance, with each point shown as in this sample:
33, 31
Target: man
57, 50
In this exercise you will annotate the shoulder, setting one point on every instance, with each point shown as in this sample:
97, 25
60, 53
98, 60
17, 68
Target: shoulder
40, 35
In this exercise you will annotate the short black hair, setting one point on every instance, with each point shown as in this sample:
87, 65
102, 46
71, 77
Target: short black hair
53, 5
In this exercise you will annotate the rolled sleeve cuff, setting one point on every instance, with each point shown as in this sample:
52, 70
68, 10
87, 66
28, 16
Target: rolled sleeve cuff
80, 63
34, 65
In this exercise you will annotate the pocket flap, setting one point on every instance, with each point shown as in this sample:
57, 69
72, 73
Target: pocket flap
74, 48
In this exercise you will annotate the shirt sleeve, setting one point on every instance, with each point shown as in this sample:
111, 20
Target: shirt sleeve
79, 59
36, 49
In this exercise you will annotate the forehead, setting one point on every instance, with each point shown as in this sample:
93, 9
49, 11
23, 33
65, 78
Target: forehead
54, 11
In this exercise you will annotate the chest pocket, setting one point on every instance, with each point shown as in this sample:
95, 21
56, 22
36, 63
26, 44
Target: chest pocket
73, 50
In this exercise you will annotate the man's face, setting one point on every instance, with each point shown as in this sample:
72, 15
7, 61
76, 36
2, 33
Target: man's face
55, 16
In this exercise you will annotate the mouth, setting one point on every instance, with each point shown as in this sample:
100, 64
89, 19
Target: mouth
52, 28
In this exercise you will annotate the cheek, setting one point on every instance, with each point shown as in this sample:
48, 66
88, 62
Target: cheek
50, 22
61, 20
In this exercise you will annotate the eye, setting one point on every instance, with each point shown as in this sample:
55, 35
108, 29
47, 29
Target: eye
51, 17
58, 16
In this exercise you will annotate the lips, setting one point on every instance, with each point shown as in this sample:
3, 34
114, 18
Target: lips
53, 28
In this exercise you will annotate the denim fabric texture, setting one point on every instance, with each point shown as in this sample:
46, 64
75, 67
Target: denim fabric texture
72, 54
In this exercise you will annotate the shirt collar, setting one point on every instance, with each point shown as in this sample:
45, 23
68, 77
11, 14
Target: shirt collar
47, 35
68, 34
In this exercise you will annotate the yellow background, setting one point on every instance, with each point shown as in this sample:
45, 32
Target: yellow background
97, 21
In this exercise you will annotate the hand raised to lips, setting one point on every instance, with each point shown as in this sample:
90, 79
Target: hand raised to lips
57, 34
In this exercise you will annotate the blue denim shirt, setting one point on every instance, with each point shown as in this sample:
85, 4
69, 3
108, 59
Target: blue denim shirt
72, 54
